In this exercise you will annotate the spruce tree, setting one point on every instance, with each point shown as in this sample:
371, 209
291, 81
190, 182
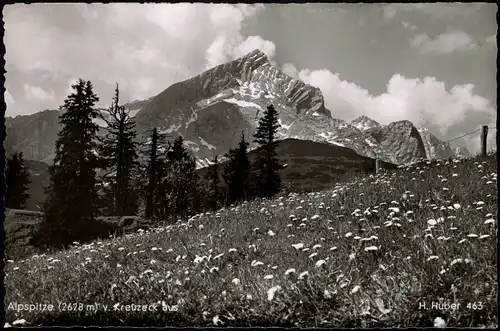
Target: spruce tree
71, 198
181, 183
267, 181
213, 184
150, 197
236, 172
161, 204
119, 156
17, 180
178, 152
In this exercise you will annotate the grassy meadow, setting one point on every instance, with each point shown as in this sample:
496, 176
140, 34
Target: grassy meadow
380, 251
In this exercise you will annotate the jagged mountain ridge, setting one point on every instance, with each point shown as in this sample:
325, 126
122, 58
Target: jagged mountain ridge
211, 110
211, 119
364, 123
434, 147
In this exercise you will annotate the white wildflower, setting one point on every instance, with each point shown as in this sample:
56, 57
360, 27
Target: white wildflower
439, 322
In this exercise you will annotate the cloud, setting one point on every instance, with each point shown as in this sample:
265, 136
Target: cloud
290, 70
492, 40
425, 102
147, 47
36, 93
225, 49
445, 43
409, 26
143, 47
9, 100
441, 11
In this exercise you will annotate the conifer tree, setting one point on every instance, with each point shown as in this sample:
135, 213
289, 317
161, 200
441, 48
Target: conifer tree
236, 172
213, 184
160, 198
71, 198
178, 152
181, 183
17, 180
119, 155
267, 181
150, 197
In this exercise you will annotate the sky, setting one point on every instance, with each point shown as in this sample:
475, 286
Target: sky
431, 63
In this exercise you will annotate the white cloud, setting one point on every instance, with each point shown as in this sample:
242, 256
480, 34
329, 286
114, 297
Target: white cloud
445, 43
389, 12
409, 26
290, 70
492, 40
421, 101
225, 49
441, 11
121, 43
9, 100
147, 47
35, 92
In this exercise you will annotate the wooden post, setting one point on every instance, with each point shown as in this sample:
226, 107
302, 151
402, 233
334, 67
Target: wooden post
378, 167
484, 136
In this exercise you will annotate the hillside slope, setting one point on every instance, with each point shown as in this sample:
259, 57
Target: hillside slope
314, 166
362, 254
311, 166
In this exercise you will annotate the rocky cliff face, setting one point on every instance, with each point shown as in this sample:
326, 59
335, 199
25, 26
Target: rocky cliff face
462, 151
364, 123
435, 148
212, 109
401, 139
34, 135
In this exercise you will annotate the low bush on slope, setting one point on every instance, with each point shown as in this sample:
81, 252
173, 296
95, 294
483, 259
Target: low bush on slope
369, 253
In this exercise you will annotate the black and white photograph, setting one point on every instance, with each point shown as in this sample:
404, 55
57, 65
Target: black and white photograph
292, 165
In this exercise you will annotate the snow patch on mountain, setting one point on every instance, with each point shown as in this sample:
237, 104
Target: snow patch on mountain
134, 112
192, 145
204, 143
243, 103
364, 123
285, 127
170, 129
371, 144
99, 121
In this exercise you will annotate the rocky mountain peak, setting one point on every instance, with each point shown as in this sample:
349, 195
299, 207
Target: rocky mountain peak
364, 123
211, 110
401, 139
462, 151
255, 56
435, 148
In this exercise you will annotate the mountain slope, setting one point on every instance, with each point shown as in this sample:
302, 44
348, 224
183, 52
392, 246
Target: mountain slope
435, 148
402, 139
310, 166
34, 135
230, 98
313, 166
211, 110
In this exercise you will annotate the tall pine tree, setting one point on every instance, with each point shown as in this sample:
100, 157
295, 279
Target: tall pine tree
213, 184
17, 180
181, 182
267, 181
119, 155
237, 173
152, 178
71, 198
